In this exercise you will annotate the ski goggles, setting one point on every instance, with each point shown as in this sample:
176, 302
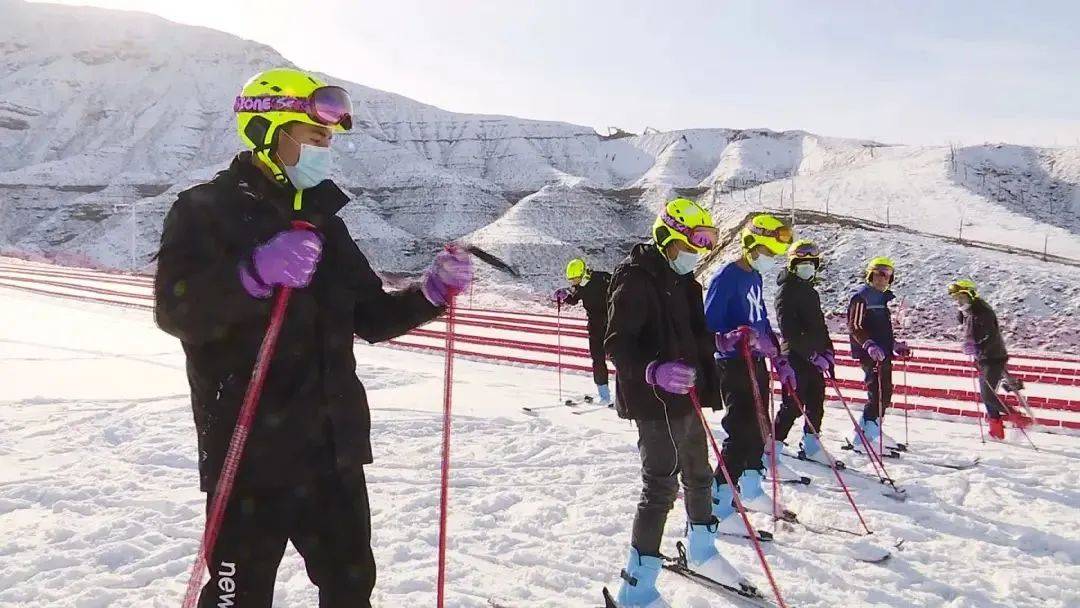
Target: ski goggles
702, 237
883, 271
330, 106
782, 234
805, 251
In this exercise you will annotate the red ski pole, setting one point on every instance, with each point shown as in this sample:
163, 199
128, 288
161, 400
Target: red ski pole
832, 461
880, 410
444, 488
907, 389
558, 349
766, 435
978, 411
875, 459
227, 478
750, 531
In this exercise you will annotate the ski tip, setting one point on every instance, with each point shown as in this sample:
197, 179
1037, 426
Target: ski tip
609, 601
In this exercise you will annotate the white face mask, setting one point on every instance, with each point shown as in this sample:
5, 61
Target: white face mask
311, 168
806, 271
685, 262
763, 263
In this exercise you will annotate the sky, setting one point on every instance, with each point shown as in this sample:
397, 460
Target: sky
898, 72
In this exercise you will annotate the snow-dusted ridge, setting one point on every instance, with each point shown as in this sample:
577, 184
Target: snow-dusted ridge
106, 115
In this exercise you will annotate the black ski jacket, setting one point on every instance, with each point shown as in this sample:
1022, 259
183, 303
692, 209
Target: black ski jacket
981, 325
802, 324
313, 417
594, 298
656, 315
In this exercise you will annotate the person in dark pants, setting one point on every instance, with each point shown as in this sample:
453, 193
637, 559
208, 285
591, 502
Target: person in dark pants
806, 342
226, 247
590, 288
982, 340
736, 314
873, 344
662, 349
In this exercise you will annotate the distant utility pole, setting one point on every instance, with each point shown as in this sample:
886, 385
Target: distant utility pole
793, 201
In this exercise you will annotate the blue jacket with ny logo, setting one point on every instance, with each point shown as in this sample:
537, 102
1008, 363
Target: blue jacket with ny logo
735, 298
869, 319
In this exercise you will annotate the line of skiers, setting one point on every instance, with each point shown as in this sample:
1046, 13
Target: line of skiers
270, 222
668, 337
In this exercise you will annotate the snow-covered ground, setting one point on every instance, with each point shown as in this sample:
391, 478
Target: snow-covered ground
99, 503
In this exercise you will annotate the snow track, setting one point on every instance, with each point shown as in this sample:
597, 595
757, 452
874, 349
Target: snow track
99, 503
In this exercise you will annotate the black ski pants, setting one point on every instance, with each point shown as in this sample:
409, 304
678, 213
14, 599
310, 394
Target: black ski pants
329, 523
877, 375
744, 444
811, 392
669, 449
596, 351
990, 374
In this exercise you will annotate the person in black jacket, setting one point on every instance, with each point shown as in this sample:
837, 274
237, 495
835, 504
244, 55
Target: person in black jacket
226, 247
982, 340
590, 288
662, 350
806, 342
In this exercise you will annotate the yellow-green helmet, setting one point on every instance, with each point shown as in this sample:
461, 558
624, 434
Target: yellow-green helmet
966, 286
767, 230
803, 250
261, 111
879, 263
576, 269
684, 220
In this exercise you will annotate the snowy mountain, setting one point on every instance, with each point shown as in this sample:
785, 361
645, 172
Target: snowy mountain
106, 115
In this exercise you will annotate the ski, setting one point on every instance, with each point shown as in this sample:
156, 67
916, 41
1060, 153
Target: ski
889, 452
567, 403
803, 480
956, 466
589, 410
762, 535
825, 529
896, 493
609, 602
747, 594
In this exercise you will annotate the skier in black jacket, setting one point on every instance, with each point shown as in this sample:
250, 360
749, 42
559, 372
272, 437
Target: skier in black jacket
662, 349
227, 245
806, 342
590, 288
982, 340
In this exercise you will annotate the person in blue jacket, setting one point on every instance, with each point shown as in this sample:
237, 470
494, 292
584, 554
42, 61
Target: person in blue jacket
873, 344
735, 313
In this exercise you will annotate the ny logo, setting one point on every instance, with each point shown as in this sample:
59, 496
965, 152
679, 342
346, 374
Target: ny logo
757, 304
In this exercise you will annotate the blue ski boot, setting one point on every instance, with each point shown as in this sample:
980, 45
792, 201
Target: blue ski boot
753, 493
604, 393
811, 450
638, 589
703, 558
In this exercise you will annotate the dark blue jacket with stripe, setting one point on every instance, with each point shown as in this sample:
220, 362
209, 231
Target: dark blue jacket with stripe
869, 319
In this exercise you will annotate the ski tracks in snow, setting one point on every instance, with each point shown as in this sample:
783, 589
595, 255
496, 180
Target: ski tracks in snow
99, 503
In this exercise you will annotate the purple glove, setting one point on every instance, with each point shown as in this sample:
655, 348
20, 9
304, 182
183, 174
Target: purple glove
672, 376
560, 295
902, 350
785, 372
969, 348
823, 361
874, 351
733, 339
449, 275
766, 345
288, 259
